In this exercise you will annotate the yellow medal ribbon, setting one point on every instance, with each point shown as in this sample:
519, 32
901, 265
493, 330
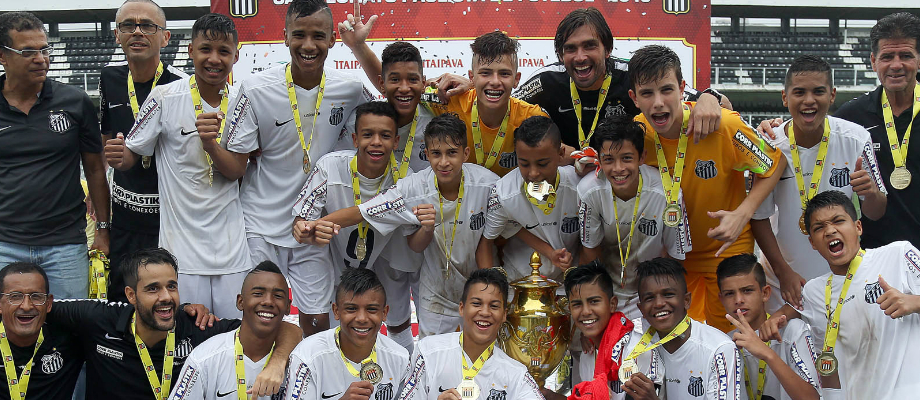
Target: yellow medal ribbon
761, 374
470, 372
833, 317
453, 234
351, 369
632, 228
546, 207
17, 385
160, 389
899, 150
496, 143
400, 169
819, 164
240, 365
672, 186
132, 94
292, 97
356, 189
643, 345
576, 103
199, 108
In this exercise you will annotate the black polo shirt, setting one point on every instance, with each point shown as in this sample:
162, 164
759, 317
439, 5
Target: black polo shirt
41, 199
55, 367
135, 199
114, 368
902, 216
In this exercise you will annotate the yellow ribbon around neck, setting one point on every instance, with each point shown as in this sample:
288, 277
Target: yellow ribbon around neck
240, 365
643, 345
833, 317
632, 228
18, 385
477, 136
547, 206
401, 169
132, 94
672, 185
761, 375
899, 149
806, 193
160, 389
292, 98
584, 140
351, 368
356, 189
470, 371
199, 108
453, 232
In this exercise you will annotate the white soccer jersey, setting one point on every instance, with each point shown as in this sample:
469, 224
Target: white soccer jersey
877, 356
330, 188
651, 237
650, 364
261, 119
706, 366
393, 209
210, 372
437, 366
846, 143
417, 161
797, 350
316, 370
510, 210
191, 209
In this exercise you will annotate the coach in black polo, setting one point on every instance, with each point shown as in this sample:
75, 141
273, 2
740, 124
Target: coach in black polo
46, 130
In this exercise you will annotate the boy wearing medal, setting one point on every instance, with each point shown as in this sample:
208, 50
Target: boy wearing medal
353, 361
720, 222
288, 117
620, 209
468, 365
777, 369
863, 310
534, 207
229, 362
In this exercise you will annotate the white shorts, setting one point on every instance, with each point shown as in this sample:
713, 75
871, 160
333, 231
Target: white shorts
308, 270
398, 285
430, 323
216, 292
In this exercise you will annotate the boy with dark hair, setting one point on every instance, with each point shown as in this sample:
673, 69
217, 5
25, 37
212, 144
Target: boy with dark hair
834, 154
784, 368
199, 199
620, 208
720, 223
354, 360
484, 370
699, 360
865, 332
534, 206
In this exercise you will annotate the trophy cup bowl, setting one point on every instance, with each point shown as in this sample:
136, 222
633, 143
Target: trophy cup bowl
537, 331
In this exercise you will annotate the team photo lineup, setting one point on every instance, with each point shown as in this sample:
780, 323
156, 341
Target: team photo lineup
601, 229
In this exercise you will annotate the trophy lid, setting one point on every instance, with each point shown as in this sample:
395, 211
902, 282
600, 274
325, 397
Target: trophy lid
535, 280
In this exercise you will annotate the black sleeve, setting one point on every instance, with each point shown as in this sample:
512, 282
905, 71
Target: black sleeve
105, 118
90, 137
851, 111
79, 316
532, 91
186, 324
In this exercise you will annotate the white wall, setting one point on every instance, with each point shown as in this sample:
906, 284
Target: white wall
54, 5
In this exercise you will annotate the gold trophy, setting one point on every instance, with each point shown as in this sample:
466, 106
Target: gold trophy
537, 331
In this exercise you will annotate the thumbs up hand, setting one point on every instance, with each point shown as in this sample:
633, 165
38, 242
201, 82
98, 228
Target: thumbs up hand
115, 151
861, 181
896, 304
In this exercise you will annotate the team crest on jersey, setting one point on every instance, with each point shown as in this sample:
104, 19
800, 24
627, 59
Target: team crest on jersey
494, 204
617, 110
706, 169
477, 221
384, 391
496, 395
695, 388
569, 225
873, 292
421, 152
52, 363
508, 160
648, 227
336, 115
184, 348
59, 121
840, 177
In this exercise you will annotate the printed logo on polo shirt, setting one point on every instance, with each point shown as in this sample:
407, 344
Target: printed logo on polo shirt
800, 366
301, 379
649, 227
913, 259
612, 110
873, 292
387, 207
741, 140
52, 363
706, 169
840, 177
59, 121
384, 391
109, 352
530, 89
695, 387
496, 395
151, 106
722, 373
508, 160
336, 115
477, 221
237, 115
494, 204
185, 383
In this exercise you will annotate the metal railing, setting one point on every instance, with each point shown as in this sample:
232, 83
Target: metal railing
767, 76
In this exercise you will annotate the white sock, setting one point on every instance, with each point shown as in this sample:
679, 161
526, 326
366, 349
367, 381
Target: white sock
404, 339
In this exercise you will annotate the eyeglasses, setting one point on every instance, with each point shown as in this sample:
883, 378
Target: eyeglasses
146, 28
30, 53
16, 298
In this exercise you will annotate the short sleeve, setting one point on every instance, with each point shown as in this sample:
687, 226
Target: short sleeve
302, 379
415, 386
105, 118
312, 198
498, 221
90, 135
870, 165
802, 353
591, 224
242, 130
143, 136
526, 389
767, 208
192, 381
751, 151
910, 270
388, 211
725, 379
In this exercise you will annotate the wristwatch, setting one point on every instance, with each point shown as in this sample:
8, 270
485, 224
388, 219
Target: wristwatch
715, 94
103, 225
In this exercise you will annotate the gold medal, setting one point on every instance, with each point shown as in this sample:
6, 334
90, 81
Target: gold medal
900, 178
145, 162
371, 372
361, 248
306, 163
627, 369
672, 215
826, 364
468, 389
802, 224
539, 190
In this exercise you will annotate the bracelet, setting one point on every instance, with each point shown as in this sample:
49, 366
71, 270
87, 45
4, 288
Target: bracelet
103, 225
